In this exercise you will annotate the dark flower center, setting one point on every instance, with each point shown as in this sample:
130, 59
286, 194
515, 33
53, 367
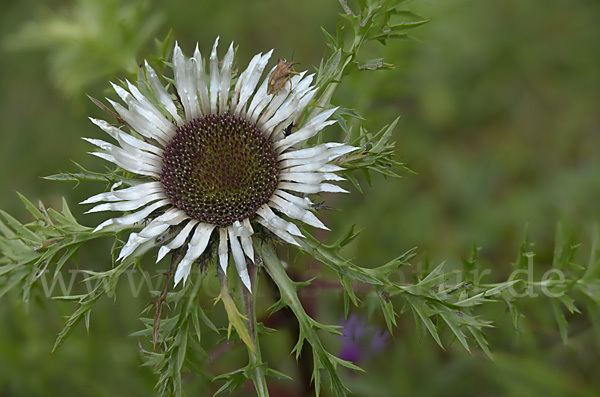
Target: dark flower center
219, 169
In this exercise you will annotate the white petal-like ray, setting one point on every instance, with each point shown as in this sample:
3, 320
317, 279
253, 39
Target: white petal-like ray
317, 166
282, 234
214, 77
298, 107
250, 80
245, 232
293, 211
305, 100
162, 94
196, 247
302, 202
262, 115
309, 177
128, 205
133, 242
122, 93
276, 114
140, 107
277, 133
303, 86
317, 154
290, 105
259, 100
172, 217
281, 99
128, 164
141, 157
184, 70
145, 158
132, 219
140, 123
225, 80
268, 215
239, 258
127, 141
310, 129
310, 152
310, 189
201, 81
145, 118
233, 104
244, 80
271, 103
178, 241
223, 252
153, 113
130, 193
282, 114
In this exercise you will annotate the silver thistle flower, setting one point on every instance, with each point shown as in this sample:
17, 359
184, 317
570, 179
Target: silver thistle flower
215, 158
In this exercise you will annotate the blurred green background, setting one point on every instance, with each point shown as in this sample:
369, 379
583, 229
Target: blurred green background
500, 106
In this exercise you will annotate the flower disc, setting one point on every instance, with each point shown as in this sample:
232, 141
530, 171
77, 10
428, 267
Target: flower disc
219, 169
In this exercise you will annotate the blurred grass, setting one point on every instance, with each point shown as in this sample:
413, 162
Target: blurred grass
500, 105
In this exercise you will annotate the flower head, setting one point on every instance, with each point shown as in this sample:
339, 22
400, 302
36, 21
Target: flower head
213, 159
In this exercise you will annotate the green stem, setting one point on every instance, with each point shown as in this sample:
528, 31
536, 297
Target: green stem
308, 326
286, 286
325, 98
256, 365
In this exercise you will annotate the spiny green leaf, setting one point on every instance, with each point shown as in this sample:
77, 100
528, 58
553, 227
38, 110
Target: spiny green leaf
277, 375
332, 41
561, 321
20, 230
37, 214
384, 271
233, 381
329, 70
389, 314
448, 318
423, 313
85, 306
481, 341
236, 319
349, 294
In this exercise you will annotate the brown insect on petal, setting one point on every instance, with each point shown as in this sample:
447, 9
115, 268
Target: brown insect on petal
280, 76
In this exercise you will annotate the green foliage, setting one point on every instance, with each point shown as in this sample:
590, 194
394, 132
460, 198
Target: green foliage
565, 284
179, 336
436, 298
377, 21
377, 155
29, 250
449, 303
85, 176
